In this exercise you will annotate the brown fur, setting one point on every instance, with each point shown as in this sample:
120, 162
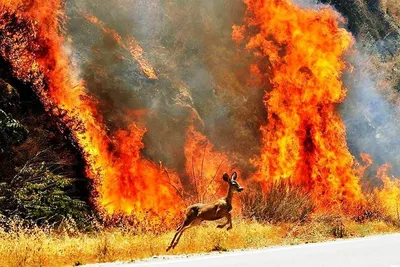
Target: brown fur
216, 210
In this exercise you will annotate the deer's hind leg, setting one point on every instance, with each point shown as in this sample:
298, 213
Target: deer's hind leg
179, 231
193, 223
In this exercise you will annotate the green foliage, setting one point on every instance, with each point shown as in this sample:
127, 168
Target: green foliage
38, 195
11, 132
35, 165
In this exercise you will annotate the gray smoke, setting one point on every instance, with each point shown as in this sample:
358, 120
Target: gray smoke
201, 73
372, 122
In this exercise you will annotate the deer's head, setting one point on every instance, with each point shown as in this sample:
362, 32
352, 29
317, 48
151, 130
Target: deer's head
233, 184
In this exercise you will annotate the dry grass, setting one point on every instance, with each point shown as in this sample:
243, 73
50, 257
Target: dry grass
45, 247
283, 202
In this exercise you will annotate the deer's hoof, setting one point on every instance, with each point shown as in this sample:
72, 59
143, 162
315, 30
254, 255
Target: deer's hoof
229, 228
168, 248
220, 226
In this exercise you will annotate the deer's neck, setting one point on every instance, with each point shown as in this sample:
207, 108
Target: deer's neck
229, 196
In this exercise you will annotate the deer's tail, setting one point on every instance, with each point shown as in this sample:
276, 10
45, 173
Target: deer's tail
192, 211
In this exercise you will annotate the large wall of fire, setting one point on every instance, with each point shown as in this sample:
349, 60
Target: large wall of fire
159, 116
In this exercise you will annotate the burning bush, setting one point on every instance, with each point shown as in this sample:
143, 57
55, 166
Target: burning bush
389, 196
282, 202
374, 210
204, 167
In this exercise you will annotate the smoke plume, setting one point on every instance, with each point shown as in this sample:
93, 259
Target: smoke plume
201, 75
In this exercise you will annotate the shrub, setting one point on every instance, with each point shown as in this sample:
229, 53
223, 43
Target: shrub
283, 202
373, 209
39, 196
12, 132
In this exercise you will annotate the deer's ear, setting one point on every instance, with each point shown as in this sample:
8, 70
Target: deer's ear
225, 177
234, 176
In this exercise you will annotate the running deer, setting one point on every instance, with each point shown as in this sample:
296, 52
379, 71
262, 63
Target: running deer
216, 210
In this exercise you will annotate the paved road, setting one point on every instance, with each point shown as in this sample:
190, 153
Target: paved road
373, 251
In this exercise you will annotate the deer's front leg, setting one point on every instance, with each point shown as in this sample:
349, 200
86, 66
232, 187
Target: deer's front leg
229, 217
228, 220
222, 225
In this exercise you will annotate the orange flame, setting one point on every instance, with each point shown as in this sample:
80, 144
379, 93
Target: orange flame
367, 160
300, 54
389, 195
304, 140
125, 181
205, 166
